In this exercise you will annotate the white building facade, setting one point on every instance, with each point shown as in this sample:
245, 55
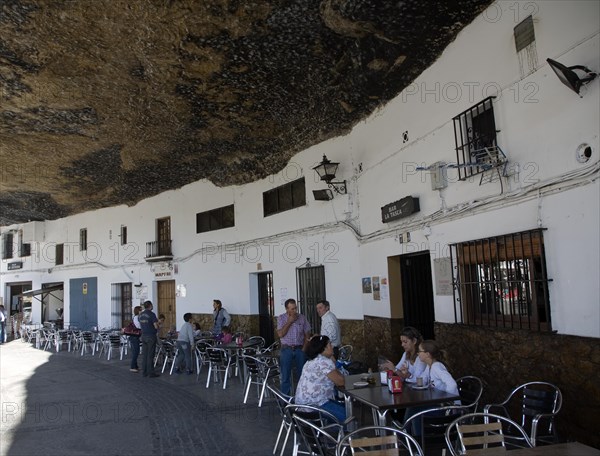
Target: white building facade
526, 197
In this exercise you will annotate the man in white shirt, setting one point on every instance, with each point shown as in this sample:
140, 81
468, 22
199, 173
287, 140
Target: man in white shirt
330, 326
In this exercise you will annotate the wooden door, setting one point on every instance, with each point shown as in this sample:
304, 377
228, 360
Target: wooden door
166, 305
163, 235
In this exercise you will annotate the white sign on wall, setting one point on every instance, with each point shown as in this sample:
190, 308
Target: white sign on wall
442, 268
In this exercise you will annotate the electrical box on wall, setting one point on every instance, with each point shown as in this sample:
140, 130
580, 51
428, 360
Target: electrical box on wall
439, 176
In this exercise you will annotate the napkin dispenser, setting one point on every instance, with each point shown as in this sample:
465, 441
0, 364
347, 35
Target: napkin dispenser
395, 384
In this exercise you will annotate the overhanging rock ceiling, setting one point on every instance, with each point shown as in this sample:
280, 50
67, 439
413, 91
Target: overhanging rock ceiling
105, 102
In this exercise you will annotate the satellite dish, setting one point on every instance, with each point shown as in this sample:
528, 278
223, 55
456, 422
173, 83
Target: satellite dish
568, 76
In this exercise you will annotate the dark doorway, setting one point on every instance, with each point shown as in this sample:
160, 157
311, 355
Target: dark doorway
266, 311
310, 281
417, 292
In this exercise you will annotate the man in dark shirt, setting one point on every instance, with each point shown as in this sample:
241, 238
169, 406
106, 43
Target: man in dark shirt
149, 324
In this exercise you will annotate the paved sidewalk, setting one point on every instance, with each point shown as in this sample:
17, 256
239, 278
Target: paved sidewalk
65, 404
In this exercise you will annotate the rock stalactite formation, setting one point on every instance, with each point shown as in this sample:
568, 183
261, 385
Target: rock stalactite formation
106, 102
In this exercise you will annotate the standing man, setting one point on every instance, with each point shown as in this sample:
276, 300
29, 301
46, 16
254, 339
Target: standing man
185, 344
2, 324
330, 326
149, 324
293, 330
220, 317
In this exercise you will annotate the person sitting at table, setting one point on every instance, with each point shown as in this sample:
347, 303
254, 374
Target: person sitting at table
319, 378
410, 366
436, 376
197, 329
226, 337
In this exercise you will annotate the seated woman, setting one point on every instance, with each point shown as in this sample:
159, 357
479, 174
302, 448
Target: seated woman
319, 378
197, 329
436, 375
410, 366
226, 336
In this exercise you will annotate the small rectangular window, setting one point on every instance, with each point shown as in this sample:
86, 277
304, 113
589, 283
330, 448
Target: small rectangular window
59, 254
83, 239
7, 246
123, 235
215, 219
284, 197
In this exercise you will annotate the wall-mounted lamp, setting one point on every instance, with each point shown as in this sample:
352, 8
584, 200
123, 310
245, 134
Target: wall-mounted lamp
568, 76
326, 171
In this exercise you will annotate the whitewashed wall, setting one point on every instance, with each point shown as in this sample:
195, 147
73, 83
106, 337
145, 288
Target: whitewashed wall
541, 124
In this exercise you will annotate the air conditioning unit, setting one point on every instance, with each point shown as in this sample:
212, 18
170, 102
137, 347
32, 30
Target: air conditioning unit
33, 232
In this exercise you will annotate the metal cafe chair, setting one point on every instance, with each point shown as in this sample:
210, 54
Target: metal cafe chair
470, 389
484, 433
321, 419
380, 441
258, 372
282, 400
218, 362
433, 427
534, 405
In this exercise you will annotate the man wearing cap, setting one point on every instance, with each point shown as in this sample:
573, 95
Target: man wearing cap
293, 330
330, 326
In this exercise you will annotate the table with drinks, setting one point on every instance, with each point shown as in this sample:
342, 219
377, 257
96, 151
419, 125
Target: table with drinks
369, 390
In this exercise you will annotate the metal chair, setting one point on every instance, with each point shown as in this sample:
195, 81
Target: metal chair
318, 440
114, 344
218, 361
258, 342
88, 341
470, 389
534, 405
380, 441
282, 400
258, 372
433, 424
201, 356
484, 433
272, 348
321, 419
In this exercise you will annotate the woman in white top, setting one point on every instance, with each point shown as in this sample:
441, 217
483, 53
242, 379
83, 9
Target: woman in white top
436, 376
410, 366
319, 378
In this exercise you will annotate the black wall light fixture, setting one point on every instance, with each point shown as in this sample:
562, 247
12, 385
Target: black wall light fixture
326, 171
569, 77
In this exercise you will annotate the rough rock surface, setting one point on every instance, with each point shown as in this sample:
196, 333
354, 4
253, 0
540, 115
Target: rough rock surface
104, 102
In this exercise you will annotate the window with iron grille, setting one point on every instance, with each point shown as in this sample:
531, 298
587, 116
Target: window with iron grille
215, 219
475, 138
59, 254
121, 304
83, 239
284, 197
123, 235
502, 282
7, 246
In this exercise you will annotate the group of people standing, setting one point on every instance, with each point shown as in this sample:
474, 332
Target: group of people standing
149, 324
313, 356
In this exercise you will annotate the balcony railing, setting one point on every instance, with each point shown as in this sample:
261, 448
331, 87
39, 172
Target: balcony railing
159, 250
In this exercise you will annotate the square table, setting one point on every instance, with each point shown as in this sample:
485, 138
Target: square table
381, 400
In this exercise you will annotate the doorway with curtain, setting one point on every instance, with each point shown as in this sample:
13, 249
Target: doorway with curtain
121, 311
